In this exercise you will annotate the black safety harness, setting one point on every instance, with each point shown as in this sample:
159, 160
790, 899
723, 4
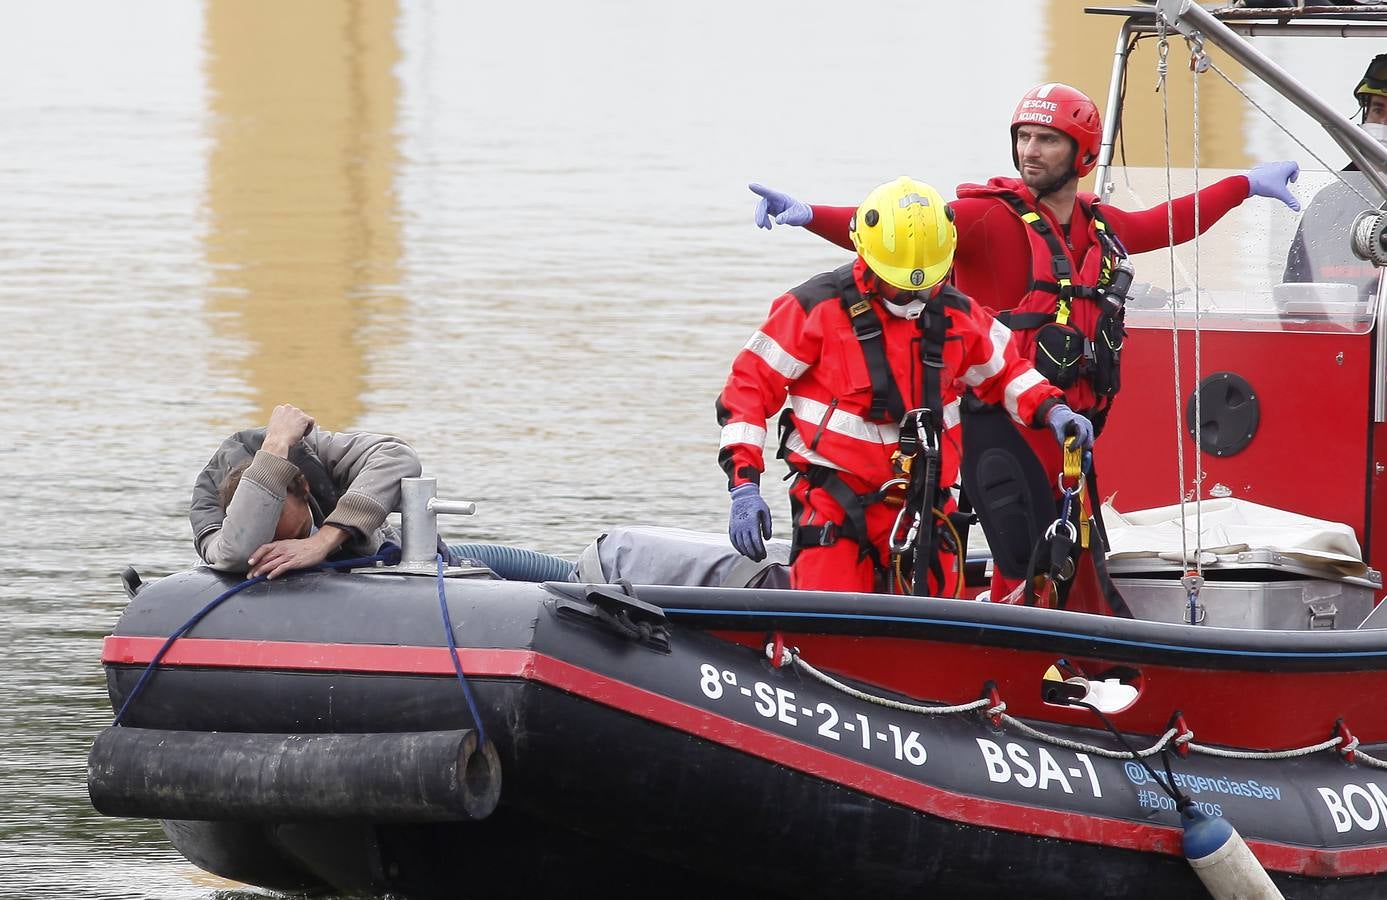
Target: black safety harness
919, 436
1063, 352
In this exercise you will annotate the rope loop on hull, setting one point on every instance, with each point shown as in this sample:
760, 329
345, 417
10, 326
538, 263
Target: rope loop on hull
1180, 739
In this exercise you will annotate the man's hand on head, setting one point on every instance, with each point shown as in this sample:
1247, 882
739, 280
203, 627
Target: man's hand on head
278, 557
288, 425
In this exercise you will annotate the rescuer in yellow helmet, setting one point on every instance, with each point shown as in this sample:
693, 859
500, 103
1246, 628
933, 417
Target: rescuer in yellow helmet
872, 358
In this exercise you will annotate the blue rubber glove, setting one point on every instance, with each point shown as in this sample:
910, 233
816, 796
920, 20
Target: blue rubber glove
750, 522
786, 209
1064, 422
1273, 180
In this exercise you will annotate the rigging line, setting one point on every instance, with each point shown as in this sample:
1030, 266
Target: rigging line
1324, 165
1162, 52
1198, 49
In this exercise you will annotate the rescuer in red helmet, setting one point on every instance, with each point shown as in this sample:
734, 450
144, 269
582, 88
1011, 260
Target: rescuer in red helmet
1052, 261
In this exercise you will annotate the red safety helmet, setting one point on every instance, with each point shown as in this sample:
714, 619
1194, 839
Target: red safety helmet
1068, 109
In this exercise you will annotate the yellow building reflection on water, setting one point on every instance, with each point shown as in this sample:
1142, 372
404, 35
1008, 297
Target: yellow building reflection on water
1079, 51
303, 235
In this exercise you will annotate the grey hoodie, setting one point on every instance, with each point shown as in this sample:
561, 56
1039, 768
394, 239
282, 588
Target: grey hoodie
355, 482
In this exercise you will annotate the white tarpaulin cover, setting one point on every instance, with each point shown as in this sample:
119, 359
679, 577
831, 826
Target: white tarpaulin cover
1228, 527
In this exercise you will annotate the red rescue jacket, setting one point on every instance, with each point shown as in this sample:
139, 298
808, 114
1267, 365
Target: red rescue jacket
807, 351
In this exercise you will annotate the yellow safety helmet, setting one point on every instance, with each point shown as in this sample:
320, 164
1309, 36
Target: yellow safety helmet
905, 232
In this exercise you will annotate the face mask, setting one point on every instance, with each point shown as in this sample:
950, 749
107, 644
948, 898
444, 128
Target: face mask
908, 310
1375, 130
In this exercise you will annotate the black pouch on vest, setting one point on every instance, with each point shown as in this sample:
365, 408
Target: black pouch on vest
1059, 353
1107, 354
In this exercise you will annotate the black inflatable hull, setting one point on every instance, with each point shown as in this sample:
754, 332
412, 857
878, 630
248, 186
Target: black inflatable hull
624, 749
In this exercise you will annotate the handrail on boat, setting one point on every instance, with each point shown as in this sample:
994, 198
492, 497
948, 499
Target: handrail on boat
1189, 18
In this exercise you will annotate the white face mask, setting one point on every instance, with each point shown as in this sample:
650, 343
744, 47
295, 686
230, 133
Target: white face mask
1376, 130
909, 310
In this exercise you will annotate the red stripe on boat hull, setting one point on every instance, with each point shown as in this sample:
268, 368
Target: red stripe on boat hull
547, 670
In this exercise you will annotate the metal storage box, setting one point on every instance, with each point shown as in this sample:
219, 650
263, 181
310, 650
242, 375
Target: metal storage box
1252, 589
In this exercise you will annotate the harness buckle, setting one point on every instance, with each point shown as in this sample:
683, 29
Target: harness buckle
917, 431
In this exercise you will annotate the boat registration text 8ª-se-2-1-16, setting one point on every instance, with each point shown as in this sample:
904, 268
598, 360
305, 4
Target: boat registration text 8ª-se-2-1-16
1033, 768
780, 705
1009, 762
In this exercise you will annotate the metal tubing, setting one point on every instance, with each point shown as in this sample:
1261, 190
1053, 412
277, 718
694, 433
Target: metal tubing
418, 522
1319, 29
1380, 364
452, 507
1102, 186
1370, 156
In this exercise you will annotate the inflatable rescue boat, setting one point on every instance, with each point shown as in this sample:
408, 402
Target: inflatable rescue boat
685, 726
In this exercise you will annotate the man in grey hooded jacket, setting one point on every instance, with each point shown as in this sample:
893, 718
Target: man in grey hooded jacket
290, 495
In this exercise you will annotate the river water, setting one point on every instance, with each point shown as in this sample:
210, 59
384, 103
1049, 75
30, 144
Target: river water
517, 235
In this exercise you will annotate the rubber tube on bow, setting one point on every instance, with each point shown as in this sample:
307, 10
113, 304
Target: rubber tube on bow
429, 776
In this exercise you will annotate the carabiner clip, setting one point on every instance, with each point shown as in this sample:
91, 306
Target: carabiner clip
899, 546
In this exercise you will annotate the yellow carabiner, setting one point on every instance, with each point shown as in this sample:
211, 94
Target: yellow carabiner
1074, 474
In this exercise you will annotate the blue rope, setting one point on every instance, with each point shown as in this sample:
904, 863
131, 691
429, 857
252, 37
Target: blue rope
453, 655
388, 554
182, 630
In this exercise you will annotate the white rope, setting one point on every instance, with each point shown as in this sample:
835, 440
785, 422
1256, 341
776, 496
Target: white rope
1197, 48
1264, 754
790, 656
1162, 52
1360, 756
1090, 748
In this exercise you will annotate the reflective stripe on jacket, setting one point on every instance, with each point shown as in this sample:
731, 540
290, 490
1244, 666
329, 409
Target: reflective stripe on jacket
806, 352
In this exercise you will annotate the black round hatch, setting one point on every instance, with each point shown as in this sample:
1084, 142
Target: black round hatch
1229, 413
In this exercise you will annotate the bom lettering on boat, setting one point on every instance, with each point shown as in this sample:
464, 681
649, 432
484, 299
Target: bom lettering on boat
1361, 806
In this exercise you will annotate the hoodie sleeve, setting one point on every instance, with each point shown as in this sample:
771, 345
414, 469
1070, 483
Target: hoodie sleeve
367, 469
